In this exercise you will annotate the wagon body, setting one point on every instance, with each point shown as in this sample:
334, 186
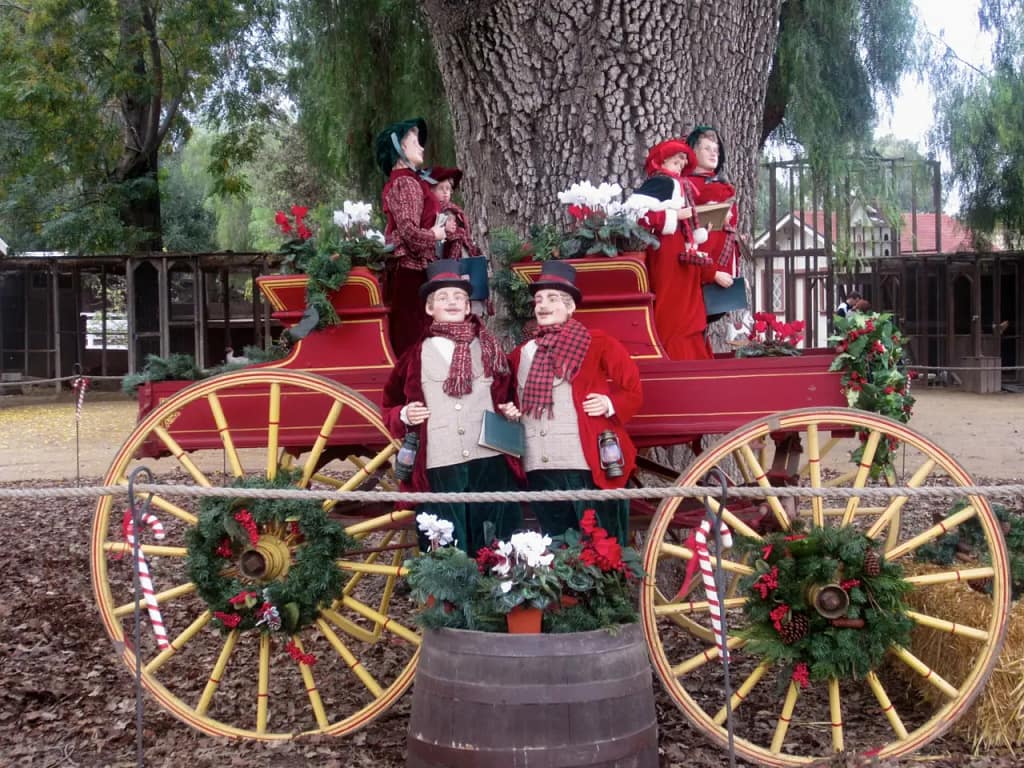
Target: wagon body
683, 399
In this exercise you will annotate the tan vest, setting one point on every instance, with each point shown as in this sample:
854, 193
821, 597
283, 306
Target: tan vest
455, 422
552, 442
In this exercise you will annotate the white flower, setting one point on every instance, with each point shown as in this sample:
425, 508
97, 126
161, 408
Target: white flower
341, 219
602, 197
373, 234
439, 532
506, 586
532, 547
504, 551
358, 212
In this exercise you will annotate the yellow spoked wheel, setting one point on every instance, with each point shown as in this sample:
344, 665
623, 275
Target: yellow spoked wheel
781, 718
351, 655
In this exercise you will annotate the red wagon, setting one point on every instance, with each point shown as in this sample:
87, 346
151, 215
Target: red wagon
313, 417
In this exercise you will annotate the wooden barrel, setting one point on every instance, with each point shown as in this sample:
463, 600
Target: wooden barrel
491, 700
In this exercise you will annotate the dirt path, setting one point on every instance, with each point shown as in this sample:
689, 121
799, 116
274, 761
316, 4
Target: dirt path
985, 433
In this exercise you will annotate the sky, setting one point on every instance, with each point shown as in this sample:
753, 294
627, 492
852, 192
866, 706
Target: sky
957, 24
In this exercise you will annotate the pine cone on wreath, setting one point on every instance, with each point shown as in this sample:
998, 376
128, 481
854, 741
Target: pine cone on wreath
872, 563
794, 629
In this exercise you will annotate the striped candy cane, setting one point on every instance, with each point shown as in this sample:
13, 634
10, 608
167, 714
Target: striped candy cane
145, 580
699, 542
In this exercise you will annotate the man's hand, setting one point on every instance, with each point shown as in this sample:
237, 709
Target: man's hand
416, 413
510, 411
597, 405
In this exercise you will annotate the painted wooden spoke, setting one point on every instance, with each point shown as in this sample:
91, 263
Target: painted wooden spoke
220, 680
349, 658
742, 692
887, 707
735, 524
761, 478
127, 609
688, 665
203, 705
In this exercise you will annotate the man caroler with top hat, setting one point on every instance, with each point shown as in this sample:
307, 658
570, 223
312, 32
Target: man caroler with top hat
412, 225
577, 389
440, 389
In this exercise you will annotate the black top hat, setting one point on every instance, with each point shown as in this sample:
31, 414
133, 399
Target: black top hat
388, 143
558, 276
440, 173
444, 273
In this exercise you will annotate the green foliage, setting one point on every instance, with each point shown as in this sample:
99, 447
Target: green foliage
358, 67
968, 540
450, 587
90, 92
178, 367
788, 565
598, 234
188, 226
313, 581
869, 352
834, 60
513, 291
980, 123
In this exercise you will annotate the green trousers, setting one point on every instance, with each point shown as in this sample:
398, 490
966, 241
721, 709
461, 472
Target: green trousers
556, 516
489, 474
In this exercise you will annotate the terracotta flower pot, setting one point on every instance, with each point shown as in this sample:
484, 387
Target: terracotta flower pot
524, 620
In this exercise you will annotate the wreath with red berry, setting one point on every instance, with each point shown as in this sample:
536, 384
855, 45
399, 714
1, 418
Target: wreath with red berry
266, 564
824, 604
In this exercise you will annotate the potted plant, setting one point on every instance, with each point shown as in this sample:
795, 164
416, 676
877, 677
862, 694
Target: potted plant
767, 336
327, 255
602, 224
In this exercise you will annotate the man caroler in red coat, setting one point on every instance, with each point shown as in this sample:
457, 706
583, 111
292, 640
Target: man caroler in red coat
440, 388
577, 388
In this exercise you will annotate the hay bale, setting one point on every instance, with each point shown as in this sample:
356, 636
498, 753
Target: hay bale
996, 719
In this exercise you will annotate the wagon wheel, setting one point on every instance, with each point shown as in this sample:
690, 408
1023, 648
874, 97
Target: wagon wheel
246, 683
776, 721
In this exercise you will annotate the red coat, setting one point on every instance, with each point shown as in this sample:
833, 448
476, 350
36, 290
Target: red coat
606, 359
679, 312
721, 244
404, 385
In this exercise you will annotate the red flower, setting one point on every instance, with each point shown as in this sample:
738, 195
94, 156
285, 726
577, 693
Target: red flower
283, 222
801, 675
303, 658
241, 597
487, 558
246, 521
869, 325
878, 347
299, 212
229, 620
304, 232
777, 615
760, 326
588, 523
767, 582
609, 554
579, 212
889, 390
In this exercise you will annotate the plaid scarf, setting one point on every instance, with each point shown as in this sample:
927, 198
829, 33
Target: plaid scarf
691, 254
460, 372
560, 353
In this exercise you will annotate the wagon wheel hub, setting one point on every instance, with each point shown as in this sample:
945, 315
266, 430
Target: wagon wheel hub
268, 561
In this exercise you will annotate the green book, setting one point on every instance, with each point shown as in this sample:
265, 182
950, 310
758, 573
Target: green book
500, 434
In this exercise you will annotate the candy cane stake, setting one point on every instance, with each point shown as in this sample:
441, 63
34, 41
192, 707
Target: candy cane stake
145, 580
702, 560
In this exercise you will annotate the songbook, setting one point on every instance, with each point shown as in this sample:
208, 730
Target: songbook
500, 434
719, 300
713, 215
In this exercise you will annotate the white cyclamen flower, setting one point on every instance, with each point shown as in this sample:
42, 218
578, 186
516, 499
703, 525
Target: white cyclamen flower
506, 586
438, 532
504, 551
373, 234
578, 194
358, 212
532, 548
342, 219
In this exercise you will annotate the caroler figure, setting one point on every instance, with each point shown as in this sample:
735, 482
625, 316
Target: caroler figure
577, 388
677, 266
440, 388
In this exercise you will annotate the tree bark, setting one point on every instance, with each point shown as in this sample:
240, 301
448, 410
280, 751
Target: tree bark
547, 93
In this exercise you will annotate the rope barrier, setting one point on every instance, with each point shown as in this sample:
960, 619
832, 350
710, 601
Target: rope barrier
61, 379
1008, 491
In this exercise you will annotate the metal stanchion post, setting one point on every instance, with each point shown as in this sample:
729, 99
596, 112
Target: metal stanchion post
715, 519
138, 511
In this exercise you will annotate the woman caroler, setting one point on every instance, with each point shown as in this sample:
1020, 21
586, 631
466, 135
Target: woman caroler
577, 388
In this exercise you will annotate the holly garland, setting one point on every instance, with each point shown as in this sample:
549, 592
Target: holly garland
797, 573
301, 534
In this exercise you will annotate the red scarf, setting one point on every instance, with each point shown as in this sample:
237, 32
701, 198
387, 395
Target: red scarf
560, 353
460, 372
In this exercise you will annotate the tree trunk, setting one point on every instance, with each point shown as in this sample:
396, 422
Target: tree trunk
547, 93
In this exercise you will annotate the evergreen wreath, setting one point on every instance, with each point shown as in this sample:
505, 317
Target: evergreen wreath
786, 629
228, 528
